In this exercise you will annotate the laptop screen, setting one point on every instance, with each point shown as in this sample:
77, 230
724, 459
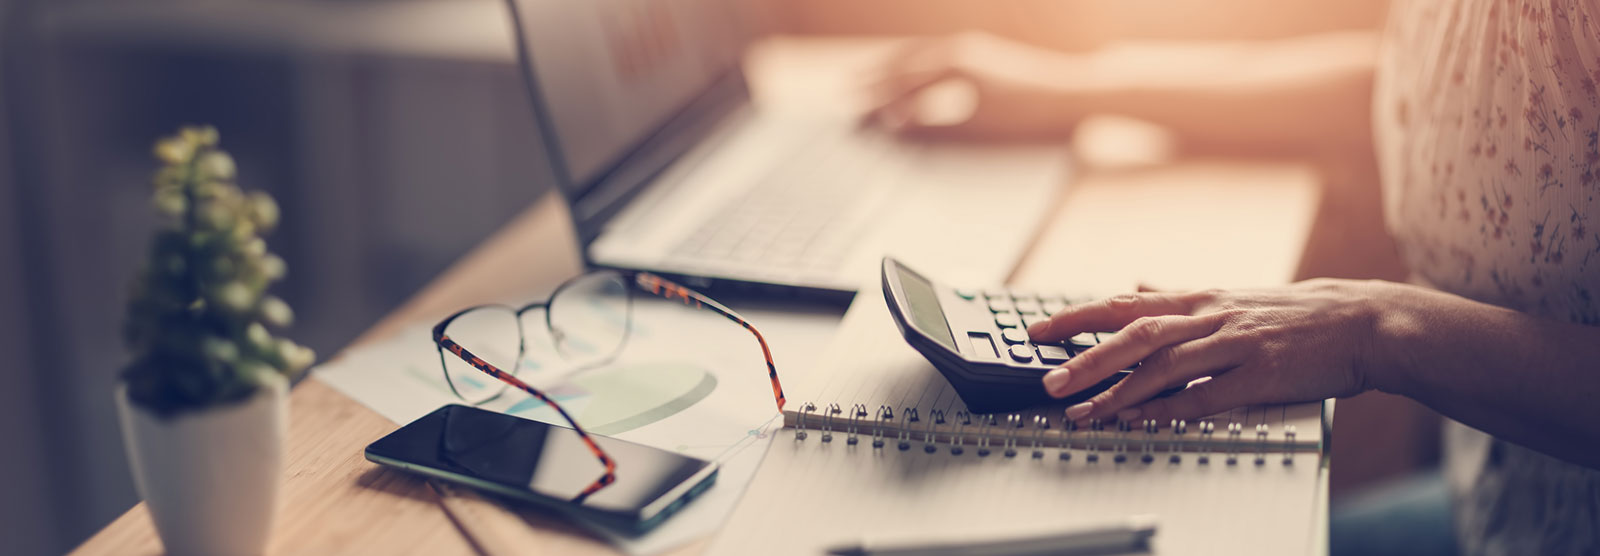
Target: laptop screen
610, 73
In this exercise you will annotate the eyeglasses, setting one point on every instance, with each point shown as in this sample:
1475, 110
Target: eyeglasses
589, 319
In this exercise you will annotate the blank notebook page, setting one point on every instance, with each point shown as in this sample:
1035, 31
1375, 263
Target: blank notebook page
809, 497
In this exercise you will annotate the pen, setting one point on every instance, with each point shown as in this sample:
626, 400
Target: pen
1129, 535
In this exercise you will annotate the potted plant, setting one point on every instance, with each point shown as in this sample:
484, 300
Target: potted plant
204, 399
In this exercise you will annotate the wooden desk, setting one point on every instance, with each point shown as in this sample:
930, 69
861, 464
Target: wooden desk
333, 500
1187, 225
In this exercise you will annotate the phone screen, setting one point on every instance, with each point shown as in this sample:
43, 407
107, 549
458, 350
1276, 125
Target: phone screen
531, 457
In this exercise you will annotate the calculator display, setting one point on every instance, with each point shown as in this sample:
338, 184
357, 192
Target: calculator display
924, 308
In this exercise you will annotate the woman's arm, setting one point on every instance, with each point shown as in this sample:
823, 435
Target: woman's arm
1528, 380
1300, 96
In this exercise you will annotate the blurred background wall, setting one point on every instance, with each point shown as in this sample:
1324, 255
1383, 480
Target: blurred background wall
391, 153
396, 135
27, 511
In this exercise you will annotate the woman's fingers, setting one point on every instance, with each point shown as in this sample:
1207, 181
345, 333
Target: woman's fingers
1109, 314
1138, 340
1222, 393
913, 67
898, 93
1166, 367
914, 54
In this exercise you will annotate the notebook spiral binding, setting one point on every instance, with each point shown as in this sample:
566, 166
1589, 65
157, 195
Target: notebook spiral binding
1125, 441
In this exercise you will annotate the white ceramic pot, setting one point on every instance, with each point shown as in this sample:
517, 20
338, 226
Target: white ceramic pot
210, 478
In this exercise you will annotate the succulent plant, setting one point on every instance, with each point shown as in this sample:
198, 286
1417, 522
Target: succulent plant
199, 315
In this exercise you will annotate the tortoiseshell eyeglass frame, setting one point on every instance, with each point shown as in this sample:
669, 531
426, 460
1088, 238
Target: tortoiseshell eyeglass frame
643, 281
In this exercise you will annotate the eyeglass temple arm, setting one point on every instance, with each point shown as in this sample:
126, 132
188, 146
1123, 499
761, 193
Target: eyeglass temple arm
662, 287
606, 479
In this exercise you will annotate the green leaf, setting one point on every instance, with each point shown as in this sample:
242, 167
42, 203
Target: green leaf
215, 165
276, 312
233, 297
263, 210
174, 150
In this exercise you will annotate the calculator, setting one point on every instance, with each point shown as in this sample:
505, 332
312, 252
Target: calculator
977, 339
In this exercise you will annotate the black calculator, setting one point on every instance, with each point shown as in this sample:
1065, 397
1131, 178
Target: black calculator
978, 339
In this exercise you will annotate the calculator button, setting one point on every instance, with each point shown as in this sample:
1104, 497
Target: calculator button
1029, 320
1024, 294
1052, 354
1006, 320
995, 294
1027, 306
1084, 340
1051, 307
1015, 336
1022, 354
1000, 305
983, 345
968, 295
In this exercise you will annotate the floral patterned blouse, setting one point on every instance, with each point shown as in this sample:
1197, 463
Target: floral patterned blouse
1487, 122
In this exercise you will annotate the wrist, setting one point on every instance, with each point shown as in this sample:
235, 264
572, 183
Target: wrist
1397, 334
1390, 368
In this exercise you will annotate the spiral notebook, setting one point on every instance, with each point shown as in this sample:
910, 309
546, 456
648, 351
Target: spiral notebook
876, 441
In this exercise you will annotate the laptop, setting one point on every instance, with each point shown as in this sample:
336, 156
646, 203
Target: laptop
668, 166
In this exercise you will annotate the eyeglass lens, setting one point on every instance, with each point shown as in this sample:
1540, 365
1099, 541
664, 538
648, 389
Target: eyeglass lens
494, 335
585, 324
589, 318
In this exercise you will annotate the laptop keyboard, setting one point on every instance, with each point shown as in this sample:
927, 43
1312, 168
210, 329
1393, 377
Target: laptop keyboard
804, 215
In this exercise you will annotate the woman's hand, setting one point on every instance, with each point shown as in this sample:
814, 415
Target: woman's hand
1020, 91
1307, 341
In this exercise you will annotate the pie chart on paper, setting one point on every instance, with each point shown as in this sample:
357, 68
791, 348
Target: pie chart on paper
619, 399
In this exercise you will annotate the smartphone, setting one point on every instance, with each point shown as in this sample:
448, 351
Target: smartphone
547, 465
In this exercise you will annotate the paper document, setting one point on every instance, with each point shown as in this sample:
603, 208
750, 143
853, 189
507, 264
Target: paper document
688, 381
